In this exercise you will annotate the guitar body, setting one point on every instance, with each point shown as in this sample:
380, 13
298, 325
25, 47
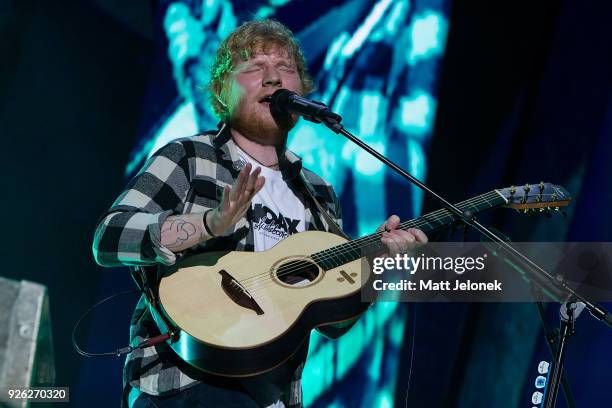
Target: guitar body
242, 313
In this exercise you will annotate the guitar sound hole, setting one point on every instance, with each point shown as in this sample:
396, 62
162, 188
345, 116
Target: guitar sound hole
296, 272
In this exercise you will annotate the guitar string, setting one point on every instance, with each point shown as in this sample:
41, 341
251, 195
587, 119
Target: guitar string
336, 253
419, 221
265, 281
373, 239
475, 201
467, 203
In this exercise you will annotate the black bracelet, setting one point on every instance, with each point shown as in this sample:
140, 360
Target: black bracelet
206, 224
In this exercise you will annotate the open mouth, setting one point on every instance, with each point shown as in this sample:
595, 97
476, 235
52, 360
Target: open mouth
266, 99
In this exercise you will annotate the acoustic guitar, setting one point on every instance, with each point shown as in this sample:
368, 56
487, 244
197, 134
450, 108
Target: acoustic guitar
245, 313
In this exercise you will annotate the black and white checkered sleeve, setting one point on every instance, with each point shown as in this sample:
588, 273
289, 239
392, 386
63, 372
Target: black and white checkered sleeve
130, 232
327, 192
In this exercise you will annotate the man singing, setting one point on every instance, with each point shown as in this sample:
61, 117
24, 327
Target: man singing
218, 191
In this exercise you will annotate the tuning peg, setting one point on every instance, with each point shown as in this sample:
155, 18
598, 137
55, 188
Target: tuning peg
539, 198
545, 212
526, 189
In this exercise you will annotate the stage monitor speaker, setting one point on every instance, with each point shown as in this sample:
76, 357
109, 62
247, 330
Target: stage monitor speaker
26, 346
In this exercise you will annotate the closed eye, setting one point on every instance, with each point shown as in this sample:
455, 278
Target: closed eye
286, 67
252, 69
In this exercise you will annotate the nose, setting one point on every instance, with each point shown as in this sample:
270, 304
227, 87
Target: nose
272, 77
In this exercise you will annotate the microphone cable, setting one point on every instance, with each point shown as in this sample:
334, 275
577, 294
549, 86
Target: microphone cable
124, 350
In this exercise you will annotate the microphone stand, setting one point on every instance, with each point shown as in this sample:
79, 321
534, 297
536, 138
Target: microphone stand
551, 285
568, 314
543, 278
552, 337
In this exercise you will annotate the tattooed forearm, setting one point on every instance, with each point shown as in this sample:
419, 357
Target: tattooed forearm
182, 231
178, 231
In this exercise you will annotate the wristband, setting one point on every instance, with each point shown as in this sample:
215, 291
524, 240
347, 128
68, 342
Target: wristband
206, 224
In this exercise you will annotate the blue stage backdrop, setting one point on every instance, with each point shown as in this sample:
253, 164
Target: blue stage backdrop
376, 63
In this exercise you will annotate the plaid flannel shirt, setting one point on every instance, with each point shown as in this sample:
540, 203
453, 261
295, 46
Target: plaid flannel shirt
187, 176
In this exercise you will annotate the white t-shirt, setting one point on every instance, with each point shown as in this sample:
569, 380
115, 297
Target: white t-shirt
277, 212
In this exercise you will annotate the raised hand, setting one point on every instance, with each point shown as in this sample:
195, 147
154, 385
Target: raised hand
236, 200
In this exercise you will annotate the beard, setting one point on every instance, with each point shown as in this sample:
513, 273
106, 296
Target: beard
266, 131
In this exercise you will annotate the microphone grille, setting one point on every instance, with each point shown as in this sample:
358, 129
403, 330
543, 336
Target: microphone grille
279, 99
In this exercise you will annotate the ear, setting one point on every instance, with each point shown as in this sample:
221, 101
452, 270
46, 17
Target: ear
222, 97
218, 98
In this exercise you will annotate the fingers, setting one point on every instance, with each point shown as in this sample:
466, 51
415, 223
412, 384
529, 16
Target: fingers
391, 223
259, 184
237, 198
420, 236
247, 184
225, 201
399, 241
391, 242
238, 186
249, 187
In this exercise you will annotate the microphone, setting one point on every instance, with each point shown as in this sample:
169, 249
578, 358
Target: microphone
284, 101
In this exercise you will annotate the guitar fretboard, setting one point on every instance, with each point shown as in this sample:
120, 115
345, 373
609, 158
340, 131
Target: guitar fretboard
370, 244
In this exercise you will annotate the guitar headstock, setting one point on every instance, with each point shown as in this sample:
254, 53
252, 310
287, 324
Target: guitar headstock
532, 196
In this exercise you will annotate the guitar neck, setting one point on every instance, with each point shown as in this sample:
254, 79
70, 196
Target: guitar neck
370, 244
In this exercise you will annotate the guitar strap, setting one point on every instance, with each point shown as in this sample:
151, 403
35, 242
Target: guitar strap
332, 225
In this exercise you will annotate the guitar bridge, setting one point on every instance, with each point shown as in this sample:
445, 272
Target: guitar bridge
238, 293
